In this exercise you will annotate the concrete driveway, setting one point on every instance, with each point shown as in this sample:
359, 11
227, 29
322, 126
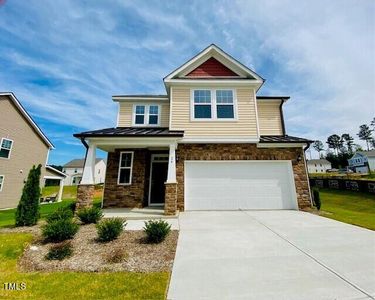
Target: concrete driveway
271, 255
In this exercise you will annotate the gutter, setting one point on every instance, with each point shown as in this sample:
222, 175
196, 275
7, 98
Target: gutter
283, 100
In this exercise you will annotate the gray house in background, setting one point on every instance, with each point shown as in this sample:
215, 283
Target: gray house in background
362, 161
74, 169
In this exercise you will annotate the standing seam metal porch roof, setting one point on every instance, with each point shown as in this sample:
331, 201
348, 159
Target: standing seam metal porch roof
131, 132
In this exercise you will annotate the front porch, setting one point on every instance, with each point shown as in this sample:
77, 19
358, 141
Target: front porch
140, 178
145, 213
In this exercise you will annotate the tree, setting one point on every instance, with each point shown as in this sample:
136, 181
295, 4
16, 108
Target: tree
372, 142
365, 134
334, 142
348, 140
27, 213
372, 124
318, 146
358, 148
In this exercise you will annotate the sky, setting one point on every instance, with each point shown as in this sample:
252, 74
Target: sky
65, 59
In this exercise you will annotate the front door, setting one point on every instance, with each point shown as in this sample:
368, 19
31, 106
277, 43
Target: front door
158, 176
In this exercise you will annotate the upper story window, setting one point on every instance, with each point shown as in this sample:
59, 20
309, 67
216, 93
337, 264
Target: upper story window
146, 115
5, 147
1, 182
213, 104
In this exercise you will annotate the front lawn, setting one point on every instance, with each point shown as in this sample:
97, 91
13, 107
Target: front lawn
71, 285
349, 207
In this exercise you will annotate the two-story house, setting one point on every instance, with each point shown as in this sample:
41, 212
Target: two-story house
362, 161
74, 169
209, 143
22, 145
318, 165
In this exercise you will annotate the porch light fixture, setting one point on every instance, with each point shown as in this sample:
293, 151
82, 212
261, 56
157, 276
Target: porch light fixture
299, 157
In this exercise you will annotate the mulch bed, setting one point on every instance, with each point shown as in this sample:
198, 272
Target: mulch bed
89, 255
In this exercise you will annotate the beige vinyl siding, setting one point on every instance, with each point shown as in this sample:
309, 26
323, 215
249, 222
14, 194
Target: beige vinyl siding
244, 126
269, 117
125, 117
28, 149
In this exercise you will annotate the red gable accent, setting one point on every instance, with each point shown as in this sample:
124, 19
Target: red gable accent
211, 68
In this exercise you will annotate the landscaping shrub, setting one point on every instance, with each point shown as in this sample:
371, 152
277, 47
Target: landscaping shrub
62, 213
156, 230
90, 215
27, 213
59, 230
109, 229
60, 251
116, 255
72, 206
316, 199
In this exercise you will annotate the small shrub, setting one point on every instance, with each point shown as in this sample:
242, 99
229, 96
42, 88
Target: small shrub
59, 230
116, 255
110, 229
316, 199
62, 213
72, 206
90, 215
60, 251
156, 230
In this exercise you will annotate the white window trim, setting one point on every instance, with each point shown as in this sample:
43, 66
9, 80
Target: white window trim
119, 168
214, 117
147, 114
10, 150
2, 183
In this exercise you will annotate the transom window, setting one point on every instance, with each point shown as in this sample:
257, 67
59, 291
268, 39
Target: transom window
146, 115
213, 104
125, 168
1, 182
5, 147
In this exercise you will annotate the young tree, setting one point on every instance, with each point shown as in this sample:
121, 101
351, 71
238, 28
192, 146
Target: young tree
372, 142
334, 142
365, 134
349, 141
372, 124
27, 213
318, 146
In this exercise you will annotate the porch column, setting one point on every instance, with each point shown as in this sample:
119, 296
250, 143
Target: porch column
170, 206
59, 195
85, 190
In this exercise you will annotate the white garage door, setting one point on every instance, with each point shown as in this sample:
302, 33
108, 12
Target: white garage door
232, 185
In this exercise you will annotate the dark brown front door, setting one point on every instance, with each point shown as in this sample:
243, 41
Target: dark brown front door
159, 172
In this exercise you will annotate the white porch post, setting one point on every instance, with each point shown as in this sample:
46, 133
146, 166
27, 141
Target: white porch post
59, 195
89, 169
171, 178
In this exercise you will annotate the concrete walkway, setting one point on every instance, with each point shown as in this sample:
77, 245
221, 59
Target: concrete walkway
271, 255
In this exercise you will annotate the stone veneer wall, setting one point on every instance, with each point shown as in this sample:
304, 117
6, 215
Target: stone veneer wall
242, 152
133, 195
85, 195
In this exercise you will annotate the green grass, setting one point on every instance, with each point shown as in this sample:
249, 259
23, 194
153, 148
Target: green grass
69, 191
73, 285
349, 207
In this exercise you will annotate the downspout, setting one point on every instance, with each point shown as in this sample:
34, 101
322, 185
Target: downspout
307, 173
282, 116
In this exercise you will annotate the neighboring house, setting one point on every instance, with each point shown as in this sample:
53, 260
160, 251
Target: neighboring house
209, 143
22, 145
362, 161
318, 165
74, 169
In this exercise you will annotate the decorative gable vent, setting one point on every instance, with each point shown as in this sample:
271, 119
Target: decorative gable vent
212, 68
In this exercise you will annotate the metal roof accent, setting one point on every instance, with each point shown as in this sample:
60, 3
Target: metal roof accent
130, 132
282, 139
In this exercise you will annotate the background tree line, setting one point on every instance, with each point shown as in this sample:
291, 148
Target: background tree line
342, 147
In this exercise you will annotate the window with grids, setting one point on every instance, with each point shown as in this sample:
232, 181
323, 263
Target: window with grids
224, 104
1, 182
202, 104
125, 168
146, 115
5, 147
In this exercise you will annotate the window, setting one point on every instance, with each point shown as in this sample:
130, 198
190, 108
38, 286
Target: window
213, 104
202, 104
224, 104
1, 182
5, 147
125, 168
146, 115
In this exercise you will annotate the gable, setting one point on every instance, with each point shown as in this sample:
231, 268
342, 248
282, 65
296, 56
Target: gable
212, 68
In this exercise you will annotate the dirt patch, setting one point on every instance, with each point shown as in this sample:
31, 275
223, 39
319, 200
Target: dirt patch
92, 256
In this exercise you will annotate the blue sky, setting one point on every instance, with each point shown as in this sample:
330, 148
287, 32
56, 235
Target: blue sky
64, 59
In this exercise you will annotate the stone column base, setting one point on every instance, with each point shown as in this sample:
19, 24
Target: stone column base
85, 195
170, 206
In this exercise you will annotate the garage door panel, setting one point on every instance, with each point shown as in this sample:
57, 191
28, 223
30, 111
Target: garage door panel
219, 185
